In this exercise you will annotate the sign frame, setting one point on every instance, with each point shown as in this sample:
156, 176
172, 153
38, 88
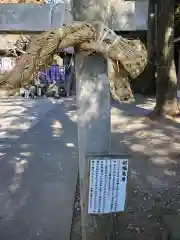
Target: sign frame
89, 158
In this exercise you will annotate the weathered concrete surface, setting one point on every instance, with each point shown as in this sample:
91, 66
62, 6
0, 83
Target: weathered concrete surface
129, 15
93, 120
118, 14
92, 10
93, 103
38, 179
34, 17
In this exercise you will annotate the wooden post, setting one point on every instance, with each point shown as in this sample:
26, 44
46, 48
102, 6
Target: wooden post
93, 104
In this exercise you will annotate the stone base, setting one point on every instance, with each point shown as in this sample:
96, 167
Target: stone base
171, 227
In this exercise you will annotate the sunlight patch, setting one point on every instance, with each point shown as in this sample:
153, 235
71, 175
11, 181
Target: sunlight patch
70, 145
56, 124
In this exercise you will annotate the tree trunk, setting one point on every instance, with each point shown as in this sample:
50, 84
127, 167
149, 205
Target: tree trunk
166, 86
148, 85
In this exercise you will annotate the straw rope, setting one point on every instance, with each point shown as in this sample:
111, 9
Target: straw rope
129, 56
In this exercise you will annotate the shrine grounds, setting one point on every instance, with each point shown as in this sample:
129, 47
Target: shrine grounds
39, 167
153, 189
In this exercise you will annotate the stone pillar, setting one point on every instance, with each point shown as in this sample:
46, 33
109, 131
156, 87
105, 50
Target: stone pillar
93, 106
93, 103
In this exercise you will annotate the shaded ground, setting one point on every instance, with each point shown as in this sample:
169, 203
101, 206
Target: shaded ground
35, 170
17, 116
154, 182
39, 172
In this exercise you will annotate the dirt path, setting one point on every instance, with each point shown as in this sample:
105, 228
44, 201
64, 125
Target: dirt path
154, 182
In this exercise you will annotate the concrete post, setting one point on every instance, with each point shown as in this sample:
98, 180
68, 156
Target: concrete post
34, 17
93, 120
93, 104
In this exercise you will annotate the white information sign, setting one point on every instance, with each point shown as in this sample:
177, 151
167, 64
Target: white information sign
107, 185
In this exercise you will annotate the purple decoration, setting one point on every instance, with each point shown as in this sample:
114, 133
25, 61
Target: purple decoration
52, 74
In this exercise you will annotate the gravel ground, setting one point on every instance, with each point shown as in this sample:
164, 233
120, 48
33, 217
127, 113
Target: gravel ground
154, 184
